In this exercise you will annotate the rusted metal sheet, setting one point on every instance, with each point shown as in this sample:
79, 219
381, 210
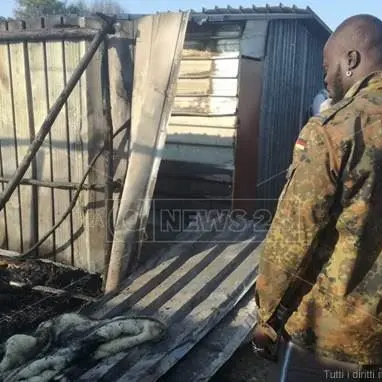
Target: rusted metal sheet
246, 151
156, 67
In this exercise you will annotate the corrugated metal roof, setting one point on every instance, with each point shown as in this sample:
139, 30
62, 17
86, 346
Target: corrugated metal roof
254, 9
250, 13
266, 12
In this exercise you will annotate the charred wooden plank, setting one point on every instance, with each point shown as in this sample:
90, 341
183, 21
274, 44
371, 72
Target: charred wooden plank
40, 35
53, 291
191, 290
214, 350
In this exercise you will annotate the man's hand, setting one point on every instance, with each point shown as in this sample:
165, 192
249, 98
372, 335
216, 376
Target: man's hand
265, 341
261, 337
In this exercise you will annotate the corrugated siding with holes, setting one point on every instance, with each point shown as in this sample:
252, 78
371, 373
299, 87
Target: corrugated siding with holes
198, 161
293, 75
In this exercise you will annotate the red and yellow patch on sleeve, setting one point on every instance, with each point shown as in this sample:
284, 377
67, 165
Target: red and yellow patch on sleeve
300, 144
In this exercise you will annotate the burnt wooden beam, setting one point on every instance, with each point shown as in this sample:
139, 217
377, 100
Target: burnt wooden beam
8, 254
61, 185
53, 291
40, 35
109, 162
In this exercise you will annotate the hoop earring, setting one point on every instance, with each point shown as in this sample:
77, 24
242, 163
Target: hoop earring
349, 73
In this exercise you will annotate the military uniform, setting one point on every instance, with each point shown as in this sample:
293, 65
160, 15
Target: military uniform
327, 230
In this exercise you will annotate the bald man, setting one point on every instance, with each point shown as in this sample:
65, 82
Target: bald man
326, 236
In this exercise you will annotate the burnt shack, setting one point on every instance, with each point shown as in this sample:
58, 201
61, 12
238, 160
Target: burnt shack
247, 79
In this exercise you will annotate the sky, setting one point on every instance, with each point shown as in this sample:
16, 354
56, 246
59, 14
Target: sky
332, 12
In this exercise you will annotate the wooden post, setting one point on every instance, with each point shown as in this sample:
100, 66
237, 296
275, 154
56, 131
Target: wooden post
156, 69
109, 170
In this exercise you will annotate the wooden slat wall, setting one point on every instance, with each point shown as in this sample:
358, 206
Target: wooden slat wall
61, 155
198, 161
11, 227
35, 74
32, 75
93, 133
24, 131
74, 110
41, 81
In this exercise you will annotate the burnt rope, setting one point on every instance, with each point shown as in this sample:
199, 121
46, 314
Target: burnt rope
46, 126
29, 252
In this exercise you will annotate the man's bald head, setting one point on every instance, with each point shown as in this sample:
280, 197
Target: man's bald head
353, 51
362, 33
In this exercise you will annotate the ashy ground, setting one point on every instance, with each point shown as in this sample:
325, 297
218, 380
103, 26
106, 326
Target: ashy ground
243, 366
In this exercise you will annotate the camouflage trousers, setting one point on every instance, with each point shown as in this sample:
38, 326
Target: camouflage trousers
296, 364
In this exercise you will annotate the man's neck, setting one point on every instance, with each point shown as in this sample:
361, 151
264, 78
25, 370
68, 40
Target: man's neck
361, 82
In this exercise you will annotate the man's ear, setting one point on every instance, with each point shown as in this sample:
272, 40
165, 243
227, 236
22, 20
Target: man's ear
353, 59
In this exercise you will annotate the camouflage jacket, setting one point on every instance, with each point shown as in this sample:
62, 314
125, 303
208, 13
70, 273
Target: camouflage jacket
327, 231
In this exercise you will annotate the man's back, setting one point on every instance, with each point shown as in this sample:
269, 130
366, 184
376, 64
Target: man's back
341, 315
322, 257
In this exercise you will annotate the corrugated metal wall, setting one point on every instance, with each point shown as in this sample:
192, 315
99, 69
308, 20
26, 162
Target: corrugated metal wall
293, 75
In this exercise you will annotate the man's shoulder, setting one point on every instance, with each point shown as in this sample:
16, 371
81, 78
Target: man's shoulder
365, 103
337, 113
342, 119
